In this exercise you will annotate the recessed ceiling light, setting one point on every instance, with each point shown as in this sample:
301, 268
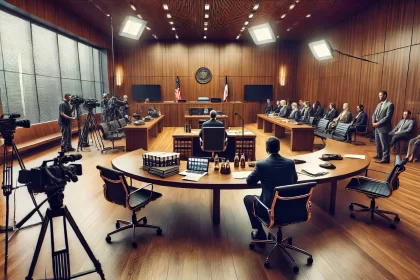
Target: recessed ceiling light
132, 27
173, 28
278, 37
283, 15
207, 7
133, 7
176, 36
154, 36
147, 27
237, 37
291, 6
256, 6
251, 15
139, 16
308, 15
171, 22
205, 28
165, 7
321, 50
206, 23
168, 16
262, 34
246, 23
206, 15
288, 29
205, 37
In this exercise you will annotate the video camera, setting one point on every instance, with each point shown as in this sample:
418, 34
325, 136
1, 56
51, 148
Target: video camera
8, 124
53, 177
91, 103
116, 102
76, 100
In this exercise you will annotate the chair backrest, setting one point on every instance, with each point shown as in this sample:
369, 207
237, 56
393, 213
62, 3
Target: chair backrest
213, 139
291, 204
122, 122
116, 187
341, 131
399, 167
105, 130
363, 128
322, 124
114, 125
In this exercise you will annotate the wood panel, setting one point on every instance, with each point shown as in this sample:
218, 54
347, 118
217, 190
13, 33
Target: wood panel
374, 33
412, 94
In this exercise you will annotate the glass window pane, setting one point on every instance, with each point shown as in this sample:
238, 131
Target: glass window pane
96, 65
16, 44
45, 52
98, 95
21, 94
86, 62
49, 97
3, 94
69, 58
88, 89
74, 87
104, 64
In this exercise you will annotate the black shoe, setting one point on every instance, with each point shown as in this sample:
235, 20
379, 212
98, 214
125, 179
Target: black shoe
71, 149
63, 150
85, 145
377, 157
259, 235
382, 161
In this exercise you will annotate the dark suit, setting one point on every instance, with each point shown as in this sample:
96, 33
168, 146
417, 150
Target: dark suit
284, 111
404, 128
272, 172
213, 123
383, 116
295, 115
359, 123
331, 114
268, 109
305, 114
277, 109
317, 112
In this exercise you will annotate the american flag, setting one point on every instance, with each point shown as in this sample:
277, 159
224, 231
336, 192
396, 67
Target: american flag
226, 92
177, 90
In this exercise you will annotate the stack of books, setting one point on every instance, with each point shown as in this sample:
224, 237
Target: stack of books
164, 172
160, 159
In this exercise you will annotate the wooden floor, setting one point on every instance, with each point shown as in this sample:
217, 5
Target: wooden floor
192, 248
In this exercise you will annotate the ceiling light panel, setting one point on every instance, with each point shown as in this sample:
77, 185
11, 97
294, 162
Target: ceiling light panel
321, 50
262, 34
132, 27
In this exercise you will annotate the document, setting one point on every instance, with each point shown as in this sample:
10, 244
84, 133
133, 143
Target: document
193, 177
241, 174
355, 156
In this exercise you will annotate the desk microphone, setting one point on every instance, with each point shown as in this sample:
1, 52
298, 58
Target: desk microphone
237, 114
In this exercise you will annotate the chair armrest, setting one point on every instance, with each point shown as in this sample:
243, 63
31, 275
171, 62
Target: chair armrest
259, 201
141, 189
379, 171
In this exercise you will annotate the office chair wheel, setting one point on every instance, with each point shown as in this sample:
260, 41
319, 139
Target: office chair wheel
295, 269
392, 226
310, 260
108, 239
145, 221
251, 246
134, 245
351, 207
352, 216
267, 264
117, 225
159, 231
397, 219
290, 241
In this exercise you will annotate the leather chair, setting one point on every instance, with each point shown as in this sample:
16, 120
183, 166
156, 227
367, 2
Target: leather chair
291, 205
374, 189
214, 140
116, 190
361, 130
112, 135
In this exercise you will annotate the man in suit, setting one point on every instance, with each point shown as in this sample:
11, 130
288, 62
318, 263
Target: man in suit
272, 172
277, 109
358, 123
269, 107
381, 121
403, 129
284, 110
295, 114
306, 112
212, 122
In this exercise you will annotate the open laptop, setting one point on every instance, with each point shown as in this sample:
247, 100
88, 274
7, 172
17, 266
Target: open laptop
196, 166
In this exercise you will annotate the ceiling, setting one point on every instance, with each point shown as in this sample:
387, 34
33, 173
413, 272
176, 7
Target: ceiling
226, 17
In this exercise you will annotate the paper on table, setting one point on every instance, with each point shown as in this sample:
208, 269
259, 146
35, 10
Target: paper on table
193, 177
355, 156
241, 174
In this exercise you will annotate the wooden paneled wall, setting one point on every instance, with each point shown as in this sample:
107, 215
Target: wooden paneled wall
388, 33
160, 63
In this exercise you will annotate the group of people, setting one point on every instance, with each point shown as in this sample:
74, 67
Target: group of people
385, 137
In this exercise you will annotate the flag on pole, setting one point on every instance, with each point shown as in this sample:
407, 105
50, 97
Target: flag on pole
226, 92
177, 89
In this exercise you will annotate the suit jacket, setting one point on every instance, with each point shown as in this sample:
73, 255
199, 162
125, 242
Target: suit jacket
383, 116
295, 115
268, 109
213, 123
277, 110
273, 171
331, 114
284, 112
406, 127
305, 114
360, 121
317, 112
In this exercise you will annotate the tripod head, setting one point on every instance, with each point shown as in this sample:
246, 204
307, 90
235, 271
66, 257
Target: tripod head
8, 124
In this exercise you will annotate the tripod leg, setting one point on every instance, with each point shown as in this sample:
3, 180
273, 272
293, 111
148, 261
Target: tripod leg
41, 237
85, 245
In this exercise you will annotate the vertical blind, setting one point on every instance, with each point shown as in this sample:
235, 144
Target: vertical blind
39, 66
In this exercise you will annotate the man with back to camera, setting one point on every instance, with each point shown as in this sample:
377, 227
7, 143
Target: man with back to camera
212, 122
381, 121
64, 121
273, 171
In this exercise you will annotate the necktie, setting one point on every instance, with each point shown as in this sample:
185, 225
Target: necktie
401, 126
380, 110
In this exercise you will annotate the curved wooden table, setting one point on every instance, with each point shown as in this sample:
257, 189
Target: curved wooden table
131, 165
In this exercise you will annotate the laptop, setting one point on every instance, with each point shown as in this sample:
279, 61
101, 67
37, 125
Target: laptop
196, 166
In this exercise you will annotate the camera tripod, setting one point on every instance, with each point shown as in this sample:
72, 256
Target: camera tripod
61, 258
7, 187
90, 125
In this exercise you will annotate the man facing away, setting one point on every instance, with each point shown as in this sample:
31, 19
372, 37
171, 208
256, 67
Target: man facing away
64, 121
272, 172
381, 121
212, 122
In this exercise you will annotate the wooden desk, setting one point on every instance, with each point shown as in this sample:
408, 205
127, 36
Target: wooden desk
131, 165
302, 136
137, 137
188, 144
194, 120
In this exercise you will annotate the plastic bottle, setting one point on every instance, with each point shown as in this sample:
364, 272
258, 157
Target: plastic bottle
236, 161
243, 161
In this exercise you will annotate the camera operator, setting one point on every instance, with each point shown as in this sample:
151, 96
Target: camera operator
64, 121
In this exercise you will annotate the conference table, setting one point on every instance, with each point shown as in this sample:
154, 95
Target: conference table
301, 135
137, 136
130, 164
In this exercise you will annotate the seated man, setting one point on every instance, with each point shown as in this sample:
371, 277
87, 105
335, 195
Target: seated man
277, 109
359, 122
305, 112
295, 114
332, 112
284, 110
273, 171
269, 107
403, 129
212, 122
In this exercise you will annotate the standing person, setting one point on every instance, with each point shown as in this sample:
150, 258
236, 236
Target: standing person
64, 121
125, 107
269, 107
381, 121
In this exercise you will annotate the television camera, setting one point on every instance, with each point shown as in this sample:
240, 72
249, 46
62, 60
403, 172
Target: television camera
91, 103
76, 100
8, 124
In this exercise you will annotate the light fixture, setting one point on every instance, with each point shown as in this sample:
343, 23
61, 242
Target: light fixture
283, 15
108, 15
205, 28
246, 23
278, 37
262, 34
168, 16
154, 36
139, 16
205, 37
176, 36
256, 6
206, 23
291, 7
206, 15
237, 37
132, 27
243, 28
251, 15
207, 7
288, 29
308, 15
171, 22
173, 28
133, 7
165, 7
148, 28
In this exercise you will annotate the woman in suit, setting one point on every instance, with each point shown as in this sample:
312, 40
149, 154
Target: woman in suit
413, 149
344, 117
332, 113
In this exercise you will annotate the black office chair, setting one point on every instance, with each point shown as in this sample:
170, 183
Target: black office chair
361, 130
291, 205
213, 140
377, 189
111, 134
116, 190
